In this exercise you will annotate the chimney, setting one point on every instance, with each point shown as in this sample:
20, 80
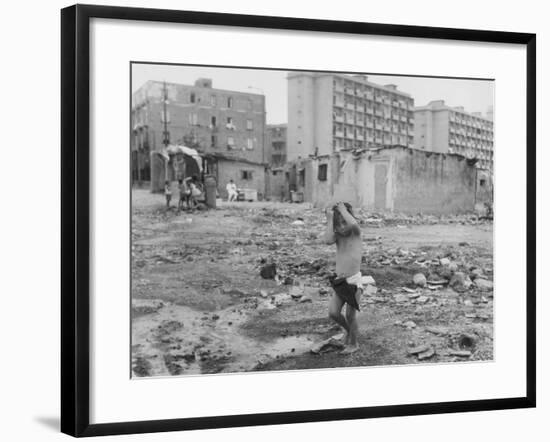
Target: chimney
204, 82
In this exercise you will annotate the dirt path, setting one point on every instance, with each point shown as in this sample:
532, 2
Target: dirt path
200, 305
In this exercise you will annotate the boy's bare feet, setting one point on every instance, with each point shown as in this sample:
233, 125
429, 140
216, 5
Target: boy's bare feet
350, 349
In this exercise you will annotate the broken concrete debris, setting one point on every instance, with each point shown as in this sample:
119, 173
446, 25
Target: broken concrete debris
483, 284
268, 271
330, 344
460, 282
430, 352
419, 280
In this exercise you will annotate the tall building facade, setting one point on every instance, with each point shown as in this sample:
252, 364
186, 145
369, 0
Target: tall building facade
329, 112
276, 144
441, 128
198, 116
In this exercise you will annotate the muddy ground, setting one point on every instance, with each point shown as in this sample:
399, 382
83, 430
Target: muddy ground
199, 304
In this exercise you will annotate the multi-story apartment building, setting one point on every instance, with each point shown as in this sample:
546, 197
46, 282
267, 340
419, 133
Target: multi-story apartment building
276, 144
441, 128
198, 116
328, 112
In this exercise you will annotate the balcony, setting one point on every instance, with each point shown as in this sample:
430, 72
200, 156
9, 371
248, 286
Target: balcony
395, 117
369, 96
387, 127
403, 105
378, 113
350, 106
359, 137
339, 133
359, 122
395, 103
339, 103
350, 119
403, 119
349, 135
360, 108
378, 140
378, 126
386, 100
338, 88
369, 124
349, 91
411, 120
359, 93
378, 99
369, 110
339, 118
369, 139
403, 131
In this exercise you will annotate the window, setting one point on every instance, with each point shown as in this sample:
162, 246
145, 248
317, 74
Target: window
302, 178
192, 97
213, 121
249, 125
193, 119
213, 141
246, 174
322, 172
230, 141
250, 144
229, 120
229, 102
212, 100
482, 182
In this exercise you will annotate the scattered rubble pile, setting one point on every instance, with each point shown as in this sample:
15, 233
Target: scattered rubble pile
233, 269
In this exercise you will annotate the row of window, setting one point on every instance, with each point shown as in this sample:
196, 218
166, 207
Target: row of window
231, 145
229, 122
369, 106
214, 100
373, 142
468, 120
359, 89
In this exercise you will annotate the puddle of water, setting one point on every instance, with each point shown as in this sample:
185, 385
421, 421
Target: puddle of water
177, 340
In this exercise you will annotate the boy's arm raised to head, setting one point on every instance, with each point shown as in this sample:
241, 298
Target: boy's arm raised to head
329, 237
351, 222
348, 218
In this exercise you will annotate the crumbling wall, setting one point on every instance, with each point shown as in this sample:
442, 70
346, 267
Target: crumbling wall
278, 185
432, 183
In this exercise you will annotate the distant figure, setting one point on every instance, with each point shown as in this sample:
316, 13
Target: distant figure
195, 191
231, 191
167, 193
184, 194
342, 229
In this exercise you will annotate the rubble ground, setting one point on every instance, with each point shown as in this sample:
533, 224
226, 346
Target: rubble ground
245, 288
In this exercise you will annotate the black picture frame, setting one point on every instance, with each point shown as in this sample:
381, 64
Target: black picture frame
75, 213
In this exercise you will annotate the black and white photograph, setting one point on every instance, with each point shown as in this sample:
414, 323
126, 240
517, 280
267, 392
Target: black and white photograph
299, 220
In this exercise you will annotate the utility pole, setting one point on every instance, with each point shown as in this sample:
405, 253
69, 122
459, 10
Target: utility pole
165, 118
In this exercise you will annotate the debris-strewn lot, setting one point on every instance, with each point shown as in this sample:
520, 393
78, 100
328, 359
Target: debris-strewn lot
245, 287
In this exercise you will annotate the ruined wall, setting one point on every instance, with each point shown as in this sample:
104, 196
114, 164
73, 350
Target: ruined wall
233, 170
278, 186
432, 183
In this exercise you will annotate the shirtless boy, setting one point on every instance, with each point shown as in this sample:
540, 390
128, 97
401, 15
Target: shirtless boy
342, 229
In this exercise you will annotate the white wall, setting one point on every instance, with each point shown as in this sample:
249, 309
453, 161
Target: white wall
30, 224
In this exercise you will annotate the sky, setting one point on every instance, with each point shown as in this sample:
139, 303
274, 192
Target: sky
473, 95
